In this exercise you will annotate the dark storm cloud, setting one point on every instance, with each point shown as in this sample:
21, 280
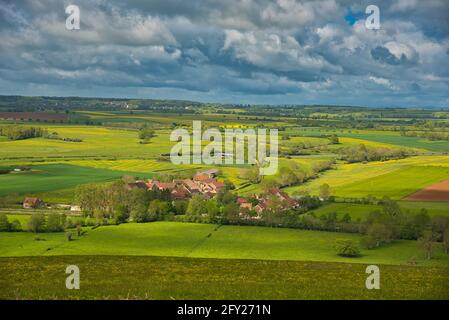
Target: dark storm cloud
384, 55
278, 51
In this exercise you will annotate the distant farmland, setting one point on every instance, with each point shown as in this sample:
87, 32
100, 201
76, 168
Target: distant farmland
35, 116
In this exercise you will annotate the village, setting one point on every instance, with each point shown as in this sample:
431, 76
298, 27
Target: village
204, 183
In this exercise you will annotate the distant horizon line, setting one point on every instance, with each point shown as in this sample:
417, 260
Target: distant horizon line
230, 104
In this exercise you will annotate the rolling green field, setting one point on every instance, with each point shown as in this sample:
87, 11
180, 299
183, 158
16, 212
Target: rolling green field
173, 260
411, 142
396, 185
385, 137
128, 277
209, 241
55, 176
98, 142
55, 181
394, 178
361, 211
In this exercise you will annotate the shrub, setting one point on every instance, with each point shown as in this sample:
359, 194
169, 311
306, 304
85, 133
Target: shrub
347, 248
36, 222
16, 226
4, 223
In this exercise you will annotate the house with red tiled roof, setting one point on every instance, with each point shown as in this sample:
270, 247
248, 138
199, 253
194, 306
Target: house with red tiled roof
157, 185
202, 178
261, 206
180, 193
292, 203
185, 188
32, 203
287, 202
166, 185
210, 185
244, 203
191, 186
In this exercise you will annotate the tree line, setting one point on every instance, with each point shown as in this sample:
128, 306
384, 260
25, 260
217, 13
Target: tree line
362, 153
38, 222
22, 132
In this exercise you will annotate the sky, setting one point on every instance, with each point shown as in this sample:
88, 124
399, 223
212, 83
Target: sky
233, 51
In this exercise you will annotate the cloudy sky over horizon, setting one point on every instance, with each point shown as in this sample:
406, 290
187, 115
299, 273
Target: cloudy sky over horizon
233, 51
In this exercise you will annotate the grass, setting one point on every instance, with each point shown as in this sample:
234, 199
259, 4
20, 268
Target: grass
97, 142
208, 241
125, 277
410, 142
43, 178
384, 137
397, 184
394, 178
361, 211
374, 144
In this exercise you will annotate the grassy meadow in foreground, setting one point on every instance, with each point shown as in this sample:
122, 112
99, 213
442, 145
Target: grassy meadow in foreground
127, 277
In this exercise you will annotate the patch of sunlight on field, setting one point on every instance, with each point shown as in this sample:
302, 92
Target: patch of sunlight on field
208, 241
346, 174
97, 142
137, 165
307, 141
374, 144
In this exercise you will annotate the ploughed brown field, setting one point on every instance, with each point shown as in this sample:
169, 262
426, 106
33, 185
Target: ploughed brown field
435, 192
42, 116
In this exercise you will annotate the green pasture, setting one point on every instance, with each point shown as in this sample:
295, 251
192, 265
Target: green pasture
395, 185
361, 211
98, 142
209, 241
385, 137
393, 178
43, 178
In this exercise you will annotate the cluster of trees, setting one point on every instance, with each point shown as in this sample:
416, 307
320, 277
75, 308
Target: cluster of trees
115, 201
430, 135
6, 225
386, 226
55, 136
38, 222
362, 153
223, 209
21, 132
391, 224
145, 134
292, 174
